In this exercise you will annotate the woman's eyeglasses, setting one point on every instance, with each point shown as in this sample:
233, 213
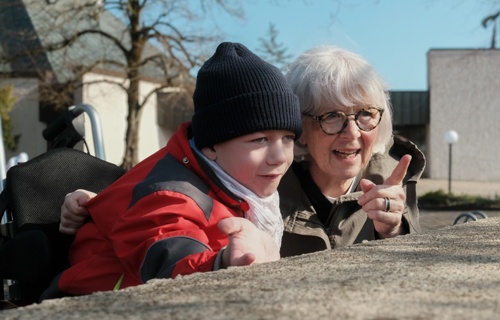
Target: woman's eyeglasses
336, 121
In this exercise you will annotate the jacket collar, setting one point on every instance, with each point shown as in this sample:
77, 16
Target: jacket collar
180, 148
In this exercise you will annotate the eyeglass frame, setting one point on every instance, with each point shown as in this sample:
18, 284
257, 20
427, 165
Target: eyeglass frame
321, 118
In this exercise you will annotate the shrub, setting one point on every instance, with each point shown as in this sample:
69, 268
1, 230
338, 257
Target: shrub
7, 101
449, 201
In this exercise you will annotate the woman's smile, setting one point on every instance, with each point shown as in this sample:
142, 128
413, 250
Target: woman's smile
346, 154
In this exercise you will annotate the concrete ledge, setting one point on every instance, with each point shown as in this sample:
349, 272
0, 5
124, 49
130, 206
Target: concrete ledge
452, 273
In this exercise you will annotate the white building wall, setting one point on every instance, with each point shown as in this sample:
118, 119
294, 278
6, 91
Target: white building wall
24, 117
465, 96
110, 101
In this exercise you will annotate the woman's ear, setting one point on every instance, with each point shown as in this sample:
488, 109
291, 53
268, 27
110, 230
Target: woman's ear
302, 141
209, 152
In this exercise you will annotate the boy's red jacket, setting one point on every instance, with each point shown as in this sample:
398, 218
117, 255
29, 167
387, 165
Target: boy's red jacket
159, 220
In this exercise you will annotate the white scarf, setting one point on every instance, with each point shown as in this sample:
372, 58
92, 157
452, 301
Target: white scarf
264, 213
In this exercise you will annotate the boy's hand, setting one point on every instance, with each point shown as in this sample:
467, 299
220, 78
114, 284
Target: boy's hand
247, 244
73, 211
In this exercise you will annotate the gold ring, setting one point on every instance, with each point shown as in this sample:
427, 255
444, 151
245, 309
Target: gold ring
387, 204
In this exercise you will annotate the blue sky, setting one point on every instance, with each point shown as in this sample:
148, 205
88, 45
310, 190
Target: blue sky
393, 35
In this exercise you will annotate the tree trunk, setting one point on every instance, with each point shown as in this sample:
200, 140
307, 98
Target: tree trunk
131, 155
134, 56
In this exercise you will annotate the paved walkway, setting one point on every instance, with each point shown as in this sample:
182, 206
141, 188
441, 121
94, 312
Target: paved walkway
434, 220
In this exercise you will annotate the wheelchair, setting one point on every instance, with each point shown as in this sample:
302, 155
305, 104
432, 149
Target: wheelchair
32, 250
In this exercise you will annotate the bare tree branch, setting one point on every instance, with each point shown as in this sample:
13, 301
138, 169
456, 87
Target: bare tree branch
78, 35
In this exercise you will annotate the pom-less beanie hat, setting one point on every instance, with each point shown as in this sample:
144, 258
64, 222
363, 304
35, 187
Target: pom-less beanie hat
238, 93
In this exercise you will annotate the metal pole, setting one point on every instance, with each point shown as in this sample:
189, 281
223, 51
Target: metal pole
95, 122
449, 169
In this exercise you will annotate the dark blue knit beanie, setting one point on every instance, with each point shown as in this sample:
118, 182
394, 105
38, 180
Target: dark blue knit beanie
237, 93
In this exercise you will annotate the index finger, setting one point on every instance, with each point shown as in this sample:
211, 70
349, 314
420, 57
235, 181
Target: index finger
398, 174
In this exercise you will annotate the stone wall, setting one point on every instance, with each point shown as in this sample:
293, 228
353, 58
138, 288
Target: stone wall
451, 273
465, 97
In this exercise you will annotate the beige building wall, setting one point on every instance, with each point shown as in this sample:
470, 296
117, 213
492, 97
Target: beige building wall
110, 101
24, 117
464, 90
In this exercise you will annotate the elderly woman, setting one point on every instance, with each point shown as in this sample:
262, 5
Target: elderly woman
352, 180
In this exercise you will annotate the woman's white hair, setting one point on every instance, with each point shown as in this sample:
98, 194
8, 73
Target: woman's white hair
342, 79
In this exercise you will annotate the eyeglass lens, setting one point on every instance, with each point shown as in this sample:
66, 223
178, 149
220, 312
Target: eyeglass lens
366, 120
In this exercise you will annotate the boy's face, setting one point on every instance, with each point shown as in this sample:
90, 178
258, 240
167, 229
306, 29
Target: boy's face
257, 160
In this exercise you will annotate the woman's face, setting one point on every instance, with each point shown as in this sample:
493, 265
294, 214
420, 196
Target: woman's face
340, 157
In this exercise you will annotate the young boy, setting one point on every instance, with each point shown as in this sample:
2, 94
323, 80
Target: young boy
208, 199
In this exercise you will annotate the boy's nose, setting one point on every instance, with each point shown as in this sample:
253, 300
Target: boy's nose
278, 154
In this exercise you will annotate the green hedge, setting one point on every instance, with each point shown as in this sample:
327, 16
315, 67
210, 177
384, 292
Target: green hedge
441, 200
